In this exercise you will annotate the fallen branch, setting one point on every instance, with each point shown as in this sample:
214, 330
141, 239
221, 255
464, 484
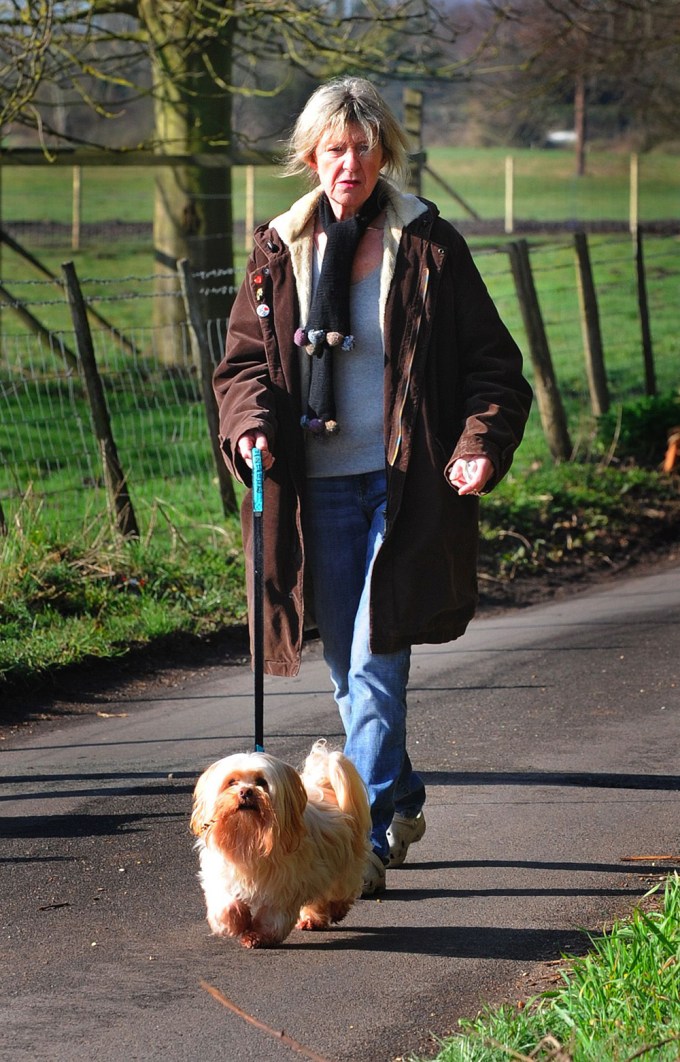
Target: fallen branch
282, 1036
651, 859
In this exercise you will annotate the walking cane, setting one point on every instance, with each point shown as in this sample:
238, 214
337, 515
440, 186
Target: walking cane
258, 600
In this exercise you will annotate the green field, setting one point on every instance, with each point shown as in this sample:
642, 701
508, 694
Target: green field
546, 188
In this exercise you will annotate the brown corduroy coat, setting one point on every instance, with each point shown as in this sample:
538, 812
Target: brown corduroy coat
453, 388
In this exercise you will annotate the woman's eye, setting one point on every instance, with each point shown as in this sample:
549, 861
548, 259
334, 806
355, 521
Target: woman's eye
338, 150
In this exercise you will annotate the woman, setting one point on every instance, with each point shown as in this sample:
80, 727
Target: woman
366, 361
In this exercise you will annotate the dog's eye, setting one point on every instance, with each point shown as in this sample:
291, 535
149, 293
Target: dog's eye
261, 783
232, 782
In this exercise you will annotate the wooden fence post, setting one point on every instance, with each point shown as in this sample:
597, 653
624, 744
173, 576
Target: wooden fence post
647, 352
509, 194
413, 124
634, 195
113, 472
548, 396
77, 207
250, 208
590, 327
199, 339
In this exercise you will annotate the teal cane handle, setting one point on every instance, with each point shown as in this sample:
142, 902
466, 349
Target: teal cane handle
258, 601
258, 480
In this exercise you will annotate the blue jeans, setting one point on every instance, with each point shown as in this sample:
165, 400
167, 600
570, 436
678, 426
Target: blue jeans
344, 526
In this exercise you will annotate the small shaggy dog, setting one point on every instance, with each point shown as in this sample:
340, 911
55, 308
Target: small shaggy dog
280, 849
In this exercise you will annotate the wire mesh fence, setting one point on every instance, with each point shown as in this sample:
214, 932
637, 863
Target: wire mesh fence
157, 415
157, 411
617, 284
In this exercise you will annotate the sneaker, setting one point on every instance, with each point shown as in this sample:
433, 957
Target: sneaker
401, 834
374, 875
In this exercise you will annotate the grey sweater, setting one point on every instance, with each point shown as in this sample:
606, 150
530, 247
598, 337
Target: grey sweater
358, 381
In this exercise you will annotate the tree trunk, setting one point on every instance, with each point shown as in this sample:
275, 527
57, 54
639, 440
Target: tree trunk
580, 123
193, 205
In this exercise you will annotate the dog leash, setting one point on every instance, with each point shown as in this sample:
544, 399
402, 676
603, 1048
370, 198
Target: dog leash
258, 592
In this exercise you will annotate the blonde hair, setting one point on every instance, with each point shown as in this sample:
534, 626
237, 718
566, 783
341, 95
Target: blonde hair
331, 109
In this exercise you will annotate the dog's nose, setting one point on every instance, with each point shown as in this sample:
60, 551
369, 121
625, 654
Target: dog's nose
246, 792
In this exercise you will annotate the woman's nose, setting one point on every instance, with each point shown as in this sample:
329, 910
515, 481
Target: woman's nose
350, 159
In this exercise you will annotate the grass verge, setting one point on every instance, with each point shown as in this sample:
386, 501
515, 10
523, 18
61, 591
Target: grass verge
617, 1003
66, 598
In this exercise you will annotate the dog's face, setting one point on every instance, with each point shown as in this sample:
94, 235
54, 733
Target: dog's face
247, 804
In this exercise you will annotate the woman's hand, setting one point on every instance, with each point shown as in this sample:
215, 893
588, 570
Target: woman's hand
470, 475
257, 439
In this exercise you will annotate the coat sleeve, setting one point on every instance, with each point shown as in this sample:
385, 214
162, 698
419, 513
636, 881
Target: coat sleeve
241, 382
496, 396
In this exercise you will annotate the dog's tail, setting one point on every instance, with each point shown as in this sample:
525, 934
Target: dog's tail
337, 778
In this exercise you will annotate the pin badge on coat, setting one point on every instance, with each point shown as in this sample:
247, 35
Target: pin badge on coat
262, 308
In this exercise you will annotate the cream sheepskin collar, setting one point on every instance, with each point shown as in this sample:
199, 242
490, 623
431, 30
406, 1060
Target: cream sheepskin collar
296, 228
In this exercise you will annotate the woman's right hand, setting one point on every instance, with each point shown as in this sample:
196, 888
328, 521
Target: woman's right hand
469, 476
255, 438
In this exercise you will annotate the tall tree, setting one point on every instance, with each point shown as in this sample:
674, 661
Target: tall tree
547, 54
203, 54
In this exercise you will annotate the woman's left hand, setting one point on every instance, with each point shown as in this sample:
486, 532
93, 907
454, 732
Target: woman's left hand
470, 475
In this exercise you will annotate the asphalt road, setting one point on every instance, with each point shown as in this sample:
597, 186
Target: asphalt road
548, 739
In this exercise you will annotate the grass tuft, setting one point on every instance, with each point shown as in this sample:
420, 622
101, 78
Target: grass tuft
619, 1002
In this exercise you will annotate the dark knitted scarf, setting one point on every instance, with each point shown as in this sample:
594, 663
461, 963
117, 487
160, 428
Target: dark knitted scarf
329, 327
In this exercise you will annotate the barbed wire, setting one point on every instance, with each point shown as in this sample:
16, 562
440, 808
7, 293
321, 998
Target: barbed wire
31, 283
198, 274
208, 274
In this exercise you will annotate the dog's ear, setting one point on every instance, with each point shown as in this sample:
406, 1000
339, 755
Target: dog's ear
290, 801
201, 813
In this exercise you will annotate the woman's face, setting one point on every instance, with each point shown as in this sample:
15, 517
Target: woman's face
348, 169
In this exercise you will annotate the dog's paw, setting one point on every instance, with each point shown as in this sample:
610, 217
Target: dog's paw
337, 909
312, 919
251, 939
310, 924
231, 921
254, 938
